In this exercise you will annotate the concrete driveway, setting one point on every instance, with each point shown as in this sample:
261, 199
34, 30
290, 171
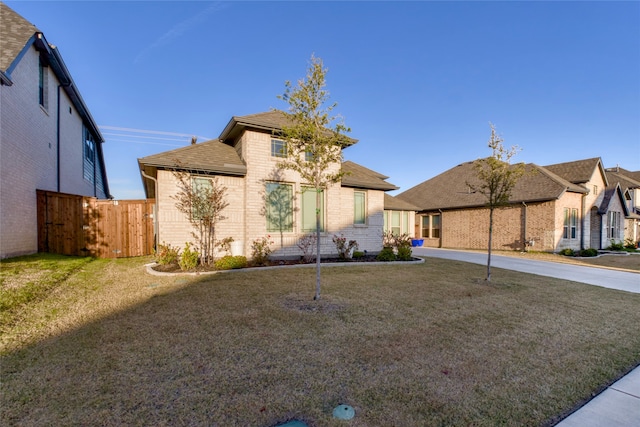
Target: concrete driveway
613, 279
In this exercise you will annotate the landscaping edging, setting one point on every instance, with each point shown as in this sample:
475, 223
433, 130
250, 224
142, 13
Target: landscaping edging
150, 270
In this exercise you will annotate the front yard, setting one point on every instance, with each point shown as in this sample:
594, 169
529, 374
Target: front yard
405, 345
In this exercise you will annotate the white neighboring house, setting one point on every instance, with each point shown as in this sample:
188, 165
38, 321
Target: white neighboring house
48, 139
244, 160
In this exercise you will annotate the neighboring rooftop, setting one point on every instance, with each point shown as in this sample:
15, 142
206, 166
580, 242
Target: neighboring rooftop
451, 189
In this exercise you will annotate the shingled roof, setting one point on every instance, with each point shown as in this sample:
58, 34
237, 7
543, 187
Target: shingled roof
577, 172
395, 204
360, 177
272, 121
450, 190
207, 157
15, 34
626, 179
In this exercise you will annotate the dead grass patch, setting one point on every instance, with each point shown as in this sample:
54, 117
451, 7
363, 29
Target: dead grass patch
404, 345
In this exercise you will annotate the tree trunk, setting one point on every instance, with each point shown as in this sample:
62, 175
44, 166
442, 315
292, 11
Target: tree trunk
318, 200
490, 242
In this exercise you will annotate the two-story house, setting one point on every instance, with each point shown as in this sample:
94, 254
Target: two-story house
565, 205
48, 139
244, 159
629, 183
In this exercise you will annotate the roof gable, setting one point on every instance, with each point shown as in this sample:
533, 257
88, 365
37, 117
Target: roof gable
579, 171
609, 194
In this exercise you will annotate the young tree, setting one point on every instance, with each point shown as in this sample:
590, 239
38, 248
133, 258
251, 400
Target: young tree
496, 179
202, 200
313, 139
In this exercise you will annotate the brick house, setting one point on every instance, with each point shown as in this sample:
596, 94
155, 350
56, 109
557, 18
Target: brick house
629, 183
48, 139
565, 205
244, 159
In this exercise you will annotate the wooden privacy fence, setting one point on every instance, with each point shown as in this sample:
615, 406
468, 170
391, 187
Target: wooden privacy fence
85, 226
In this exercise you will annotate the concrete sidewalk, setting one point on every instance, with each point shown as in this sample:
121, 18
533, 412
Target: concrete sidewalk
619, 404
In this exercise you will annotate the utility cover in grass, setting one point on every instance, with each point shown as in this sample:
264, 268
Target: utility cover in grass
344, 412
294, 423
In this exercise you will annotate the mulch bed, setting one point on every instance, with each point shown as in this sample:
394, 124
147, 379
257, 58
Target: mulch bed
175, 268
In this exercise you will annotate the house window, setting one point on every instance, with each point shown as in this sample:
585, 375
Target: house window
279, 206
396, 222
89, 156
435, 226
309, 209
308, 156
431, 226
202, 187
595, 190
570, 227
278, 148
43, 86
359, 207
613, 225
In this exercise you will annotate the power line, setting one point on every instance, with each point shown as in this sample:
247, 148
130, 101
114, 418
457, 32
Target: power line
150, 132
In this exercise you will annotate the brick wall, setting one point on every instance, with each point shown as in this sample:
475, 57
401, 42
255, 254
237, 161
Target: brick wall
513, 226
29, 153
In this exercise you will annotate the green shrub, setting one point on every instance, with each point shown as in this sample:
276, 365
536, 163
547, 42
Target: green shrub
167, 254
358, 254
404, 253
630, 244
567, 252
260, 250
588, 252
229, 262
188, 258
615, 246
386, 254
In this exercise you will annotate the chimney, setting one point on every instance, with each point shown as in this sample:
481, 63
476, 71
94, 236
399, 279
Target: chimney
194, 139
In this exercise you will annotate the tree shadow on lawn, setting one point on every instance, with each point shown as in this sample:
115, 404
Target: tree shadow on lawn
404, 345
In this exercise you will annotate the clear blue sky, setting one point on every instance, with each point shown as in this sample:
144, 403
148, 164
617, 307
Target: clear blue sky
417, 82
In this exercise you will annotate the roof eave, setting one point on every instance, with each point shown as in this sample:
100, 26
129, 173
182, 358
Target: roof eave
5, 80
369, 186
227, 169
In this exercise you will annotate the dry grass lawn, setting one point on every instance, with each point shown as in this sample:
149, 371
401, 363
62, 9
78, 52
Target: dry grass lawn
405, 345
